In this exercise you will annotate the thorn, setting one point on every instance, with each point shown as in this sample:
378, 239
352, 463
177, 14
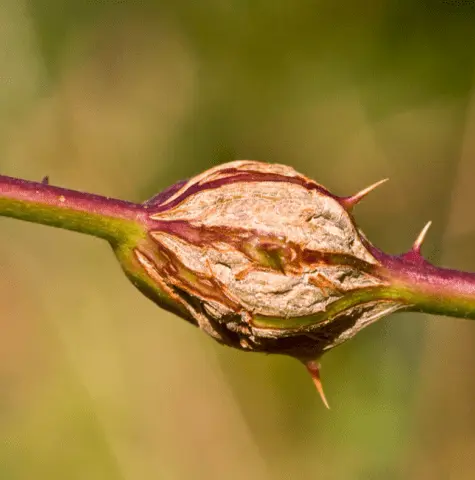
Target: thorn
349, 202
313, 368
45, 180
416, 247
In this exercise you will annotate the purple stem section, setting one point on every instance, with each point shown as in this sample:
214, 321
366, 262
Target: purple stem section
428, 288
108, 218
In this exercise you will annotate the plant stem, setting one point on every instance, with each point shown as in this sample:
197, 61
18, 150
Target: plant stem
430, 289
412, 280
113, 220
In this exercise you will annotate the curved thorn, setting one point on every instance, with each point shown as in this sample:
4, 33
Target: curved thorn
314, 370
416, 247
349, 202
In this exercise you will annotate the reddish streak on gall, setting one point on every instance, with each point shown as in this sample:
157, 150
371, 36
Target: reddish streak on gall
292, 253
204, 286
235, 176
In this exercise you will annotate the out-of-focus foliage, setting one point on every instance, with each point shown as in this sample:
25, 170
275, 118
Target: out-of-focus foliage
125, 97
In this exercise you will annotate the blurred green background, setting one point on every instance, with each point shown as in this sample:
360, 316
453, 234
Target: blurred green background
123, 98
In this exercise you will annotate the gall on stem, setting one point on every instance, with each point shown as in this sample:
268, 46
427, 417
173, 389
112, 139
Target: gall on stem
258, 256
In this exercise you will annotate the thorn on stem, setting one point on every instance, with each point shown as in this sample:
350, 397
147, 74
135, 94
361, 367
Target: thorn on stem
416, 247
313, 368
350, 202
45, 180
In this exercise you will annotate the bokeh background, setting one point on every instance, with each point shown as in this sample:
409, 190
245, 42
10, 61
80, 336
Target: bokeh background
123, 98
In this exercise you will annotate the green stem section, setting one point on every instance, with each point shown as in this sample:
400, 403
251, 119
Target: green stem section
429, 289
113, 220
